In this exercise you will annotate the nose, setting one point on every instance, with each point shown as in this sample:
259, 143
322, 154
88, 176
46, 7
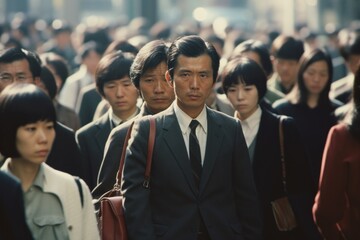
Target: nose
240, 94
119, 92
159, 88
194, 84
42, 136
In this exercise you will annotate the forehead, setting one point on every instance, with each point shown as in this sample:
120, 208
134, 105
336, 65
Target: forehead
159, 69
197, 64
16, 67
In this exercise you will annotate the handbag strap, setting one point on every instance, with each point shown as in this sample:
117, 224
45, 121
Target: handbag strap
282, 152
151, 143
122, 159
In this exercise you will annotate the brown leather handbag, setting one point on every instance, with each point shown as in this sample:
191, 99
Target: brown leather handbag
282, 210
111, 214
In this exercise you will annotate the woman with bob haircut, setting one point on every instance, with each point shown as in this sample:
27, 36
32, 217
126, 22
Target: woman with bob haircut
244, 83
337, 204
57, 205
310, 106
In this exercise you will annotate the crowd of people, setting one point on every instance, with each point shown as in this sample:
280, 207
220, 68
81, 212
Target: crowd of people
224, 109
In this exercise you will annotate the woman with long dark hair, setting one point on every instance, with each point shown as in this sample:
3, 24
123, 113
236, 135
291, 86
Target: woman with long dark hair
309, 104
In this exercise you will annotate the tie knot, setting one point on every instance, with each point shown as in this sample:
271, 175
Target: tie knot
193, 125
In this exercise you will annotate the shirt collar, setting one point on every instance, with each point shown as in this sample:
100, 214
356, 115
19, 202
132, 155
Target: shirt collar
253, 120
39, 179
116, 120
184, 119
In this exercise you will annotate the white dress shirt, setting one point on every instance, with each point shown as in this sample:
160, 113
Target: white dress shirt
250, 126
201, 130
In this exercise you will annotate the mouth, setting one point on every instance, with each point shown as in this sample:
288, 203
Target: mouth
42, 153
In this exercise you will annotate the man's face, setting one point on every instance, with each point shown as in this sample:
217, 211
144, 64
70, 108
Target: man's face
17, 71
156, 92
193, 81
122, 96
287, 70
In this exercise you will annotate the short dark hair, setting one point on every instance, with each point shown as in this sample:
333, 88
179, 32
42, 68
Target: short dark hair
111, 67
21, 104
59, 64
149, 56
192, 46
14, 54
300, 93
257, 47
287, 47
244, 70
47, 78
87, 48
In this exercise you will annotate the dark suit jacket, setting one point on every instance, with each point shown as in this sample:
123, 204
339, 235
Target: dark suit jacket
91, 141
65, 155
12, 213
87, 102
112, 154
268, 176
171, 209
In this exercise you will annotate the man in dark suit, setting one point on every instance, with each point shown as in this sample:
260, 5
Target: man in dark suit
201, 184
148, 75
114, 84
12, 213
350, 51
20, 65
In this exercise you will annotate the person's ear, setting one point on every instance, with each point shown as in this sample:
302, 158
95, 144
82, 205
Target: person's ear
37, 81
168, 78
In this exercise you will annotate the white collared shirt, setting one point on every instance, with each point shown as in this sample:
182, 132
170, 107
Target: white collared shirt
201, 131
250, 126
116, 120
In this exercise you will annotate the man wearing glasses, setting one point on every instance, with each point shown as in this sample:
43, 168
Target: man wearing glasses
18, 65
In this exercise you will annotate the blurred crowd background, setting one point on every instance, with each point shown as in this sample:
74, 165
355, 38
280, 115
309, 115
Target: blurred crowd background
33, 22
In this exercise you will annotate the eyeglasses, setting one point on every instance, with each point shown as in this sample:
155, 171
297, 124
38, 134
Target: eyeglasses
7, 78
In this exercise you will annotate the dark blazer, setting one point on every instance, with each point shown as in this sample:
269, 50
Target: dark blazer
87, 102
12, 213
91, 141
65, 155
268, 176
112, 154
171, 209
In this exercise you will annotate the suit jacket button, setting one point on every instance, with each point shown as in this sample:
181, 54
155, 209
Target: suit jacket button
70, 227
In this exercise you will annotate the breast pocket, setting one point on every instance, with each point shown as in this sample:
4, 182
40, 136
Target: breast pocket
51, 227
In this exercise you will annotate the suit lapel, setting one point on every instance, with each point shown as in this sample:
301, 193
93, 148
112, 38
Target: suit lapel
213, 144
103, 130
175, 141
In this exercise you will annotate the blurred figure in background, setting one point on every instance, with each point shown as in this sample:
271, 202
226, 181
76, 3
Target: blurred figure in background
58, 67
285, 53
309, 104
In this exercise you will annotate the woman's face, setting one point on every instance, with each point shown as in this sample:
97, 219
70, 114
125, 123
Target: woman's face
316, 77
34, 141
244, 99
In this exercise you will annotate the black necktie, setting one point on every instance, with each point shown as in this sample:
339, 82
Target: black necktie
194, 149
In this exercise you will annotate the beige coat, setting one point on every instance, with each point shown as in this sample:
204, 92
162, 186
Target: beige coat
80, 220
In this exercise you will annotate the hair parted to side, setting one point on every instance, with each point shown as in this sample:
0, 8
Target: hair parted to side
149, 56
192, 46
111, 67
21, 104
15, 54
